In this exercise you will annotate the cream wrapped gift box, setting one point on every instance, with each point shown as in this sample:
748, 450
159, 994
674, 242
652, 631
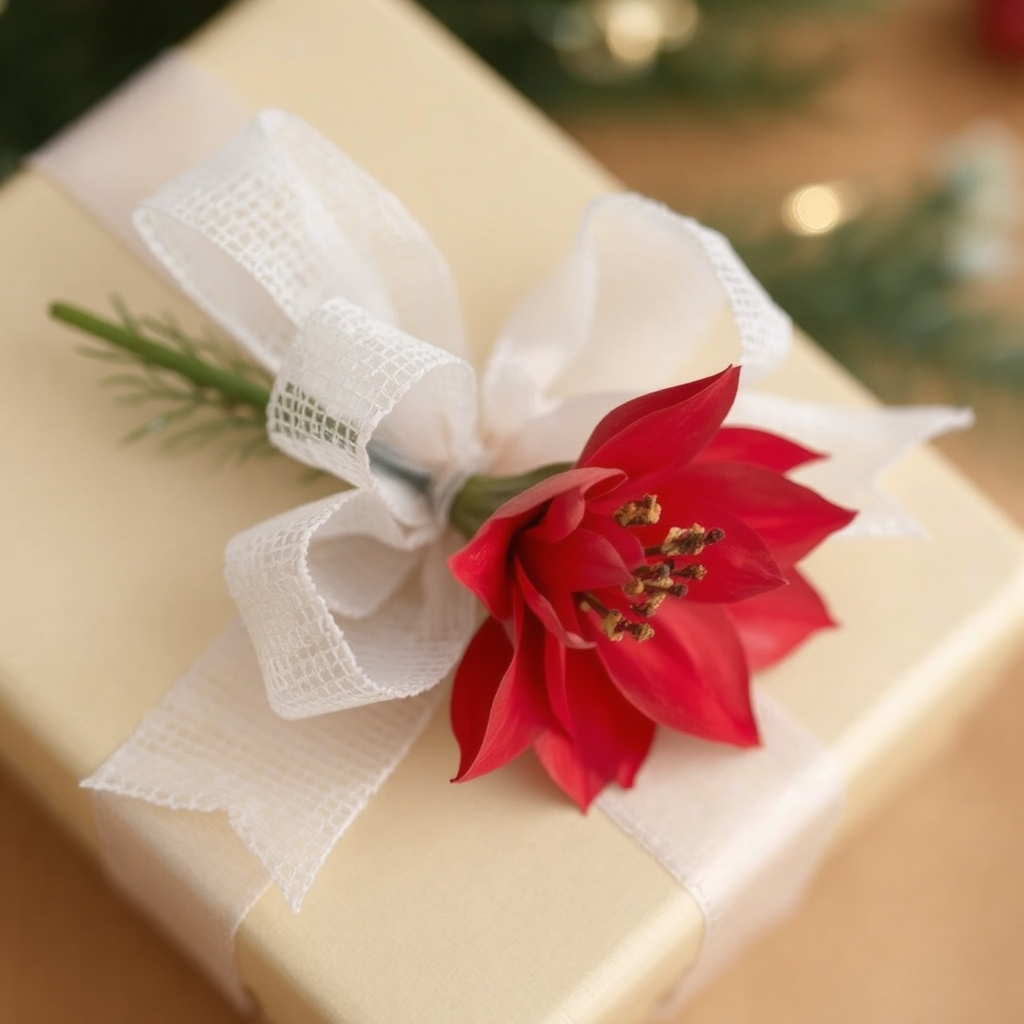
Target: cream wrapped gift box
494, 900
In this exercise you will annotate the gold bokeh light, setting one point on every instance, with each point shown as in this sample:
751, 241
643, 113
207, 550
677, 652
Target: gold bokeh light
818, 208
632, 29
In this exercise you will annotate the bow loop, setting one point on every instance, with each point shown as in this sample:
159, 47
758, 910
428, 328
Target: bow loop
643, 295
360, 399
279, 221
345, 606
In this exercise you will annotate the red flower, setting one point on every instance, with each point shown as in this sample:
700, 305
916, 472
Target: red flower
638, 587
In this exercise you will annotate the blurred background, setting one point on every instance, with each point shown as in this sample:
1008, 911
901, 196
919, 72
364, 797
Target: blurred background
867, 159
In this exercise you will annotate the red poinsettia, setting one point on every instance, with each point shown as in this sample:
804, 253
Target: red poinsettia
638, 587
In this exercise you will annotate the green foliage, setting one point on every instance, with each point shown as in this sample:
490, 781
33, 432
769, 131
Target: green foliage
202, 391
205, 392
737, 57
881, 293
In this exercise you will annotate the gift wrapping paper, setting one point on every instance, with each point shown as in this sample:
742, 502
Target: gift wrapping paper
494, 900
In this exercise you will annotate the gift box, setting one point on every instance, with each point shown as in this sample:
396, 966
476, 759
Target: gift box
493, 900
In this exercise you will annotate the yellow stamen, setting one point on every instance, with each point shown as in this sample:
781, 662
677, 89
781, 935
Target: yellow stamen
644, 512
691, 541
640, 631
652, 604
693, 571
652, 583
659, 583
612, 625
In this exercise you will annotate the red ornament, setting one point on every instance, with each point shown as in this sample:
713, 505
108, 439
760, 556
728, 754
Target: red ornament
1002, 26
638, 588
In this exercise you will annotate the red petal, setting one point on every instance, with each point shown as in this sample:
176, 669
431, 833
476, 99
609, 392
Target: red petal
738, 567
659, 432
483, 564
792, 519
607, 741
498, 705
555, 683
557, 616
771, 625
691, 676
759, 447
625, 540
582, 561
562, 515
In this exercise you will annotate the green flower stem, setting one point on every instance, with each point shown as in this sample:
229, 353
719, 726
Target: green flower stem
235, 389
481, 496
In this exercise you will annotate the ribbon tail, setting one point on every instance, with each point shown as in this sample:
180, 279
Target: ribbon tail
861, 443
290, 789
743, 831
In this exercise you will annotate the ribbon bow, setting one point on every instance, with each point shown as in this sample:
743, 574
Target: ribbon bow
348, 613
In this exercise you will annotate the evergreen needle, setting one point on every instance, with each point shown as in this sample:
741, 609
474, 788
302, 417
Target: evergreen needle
236, 390
197, 380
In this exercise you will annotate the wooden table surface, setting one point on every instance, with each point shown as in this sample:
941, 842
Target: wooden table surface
920, 918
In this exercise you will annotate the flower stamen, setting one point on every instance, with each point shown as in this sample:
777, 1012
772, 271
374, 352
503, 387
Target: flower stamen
691, 541
656, 583
645, 512
652, 604
614, 623
652, 583
692, 571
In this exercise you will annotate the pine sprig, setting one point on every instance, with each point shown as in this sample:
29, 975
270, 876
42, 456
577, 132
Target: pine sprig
882, 295
203, 391
207, 392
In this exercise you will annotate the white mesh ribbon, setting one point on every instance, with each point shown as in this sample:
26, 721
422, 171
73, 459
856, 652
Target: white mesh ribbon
861, 443
290, 789
348, 607
348, 618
